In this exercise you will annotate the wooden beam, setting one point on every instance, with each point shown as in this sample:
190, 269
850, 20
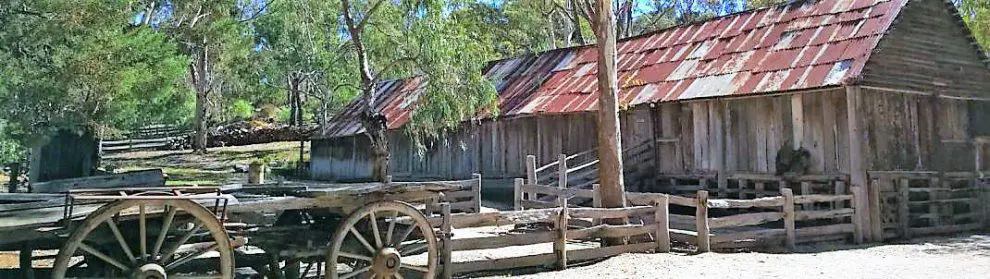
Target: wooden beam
531, 169
857, 169
518, 194
141, 178
797, 120
789, 217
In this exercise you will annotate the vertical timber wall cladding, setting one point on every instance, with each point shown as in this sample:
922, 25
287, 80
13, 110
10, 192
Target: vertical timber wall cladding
749, 132
916, 132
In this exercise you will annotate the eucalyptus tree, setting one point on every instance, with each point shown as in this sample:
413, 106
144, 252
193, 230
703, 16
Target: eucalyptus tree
393, 39
303, 55
214, 35
84, 66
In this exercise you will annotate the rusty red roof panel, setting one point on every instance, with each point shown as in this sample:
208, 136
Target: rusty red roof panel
801, 45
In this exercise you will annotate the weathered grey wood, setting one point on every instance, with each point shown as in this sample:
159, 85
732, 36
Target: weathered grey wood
142, 178
529, 204
876, 218
758, 202
745, 219
501, 241
821, 198
560, 241
518, 195
548, 258
818, 214
662, 222
446, 245
904, 211
701, 221
749, 235
562, 171
27, 270
797, 120
28, 197
824, 230
789, 217
858, 226
857, 168
945, 229
471, 220
606, 213
806, 190
607, 231
531, 169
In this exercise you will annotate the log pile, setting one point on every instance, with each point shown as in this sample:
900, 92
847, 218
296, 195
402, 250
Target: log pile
245, 133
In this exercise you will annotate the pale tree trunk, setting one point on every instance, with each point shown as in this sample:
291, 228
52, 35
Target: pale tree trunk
609, 145
374, 122
202, 87
576, 34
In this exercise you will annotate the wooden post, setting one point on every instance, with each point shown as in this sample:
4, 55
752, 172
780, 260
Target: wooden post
857, 222
789, 217
27, 271
446, 245
743, 187
857, 169
661, 217
701, 222
560, 243
517, 199
596, 201
531, 169
476, 189
388, 178
904, 210
715, 114
562, 171
876, 221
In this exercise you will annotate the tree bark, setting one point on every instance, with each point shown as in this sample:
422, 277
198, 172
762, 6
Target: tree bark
374, 122
609, 146
202, 87
573, 16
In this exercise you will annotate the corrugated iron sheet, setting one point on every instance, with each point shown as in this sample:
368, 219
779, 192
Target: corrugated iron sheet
802, 45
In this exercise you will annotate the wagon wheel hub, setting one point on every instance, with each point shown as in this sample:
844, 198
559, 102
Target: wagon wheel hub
387, 261
150, 271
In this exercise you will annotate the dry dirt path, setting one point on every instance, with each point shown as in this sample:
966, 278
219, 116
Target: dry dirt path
956, 257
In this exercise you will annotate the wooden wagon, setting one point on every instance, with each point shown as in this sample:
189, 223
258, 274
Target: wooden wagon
367, 230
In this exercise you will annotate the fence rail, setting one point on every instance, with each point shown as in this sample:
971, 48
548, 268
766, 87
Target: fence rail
916, 203
782, 220
147, 137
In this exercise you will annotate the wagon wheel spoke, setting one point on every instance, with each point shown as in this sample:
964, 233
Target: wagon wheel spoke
120, 240
405, 234
190, 256
413, 248
185, 238
422, 269
391, 227
374, 229
102, 256
355, 256
362, 240
356, 272
166, 226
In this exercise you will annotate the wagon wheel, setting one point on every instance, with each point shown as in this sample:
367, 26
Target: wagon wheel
186, 232
391, 246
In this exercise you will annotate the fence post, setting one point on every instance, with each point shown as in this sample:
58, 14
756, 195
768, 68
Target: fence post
596, 201
789, 217
857, 213
701, 222
388, 178
560, 244
518, 195
445, 232
661, 217
562, 171
531, 169
806, 190
476, 190
905, 209
24, 258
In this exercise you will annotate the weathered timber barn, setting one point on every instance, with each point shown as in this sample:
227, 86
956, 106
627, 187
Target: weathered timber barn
887, 97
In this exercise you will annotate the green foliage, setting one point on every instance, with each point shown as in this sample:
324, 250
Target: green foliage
83, 66
242, 109
976, 14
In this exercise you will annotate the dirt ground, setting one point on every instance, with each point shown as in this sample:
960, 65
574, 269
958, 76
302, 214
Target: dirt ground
966, 256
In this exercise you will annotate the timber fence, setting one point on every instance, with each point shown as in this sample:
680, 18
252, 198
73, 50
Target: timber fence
147, 137
769, 222
918, 203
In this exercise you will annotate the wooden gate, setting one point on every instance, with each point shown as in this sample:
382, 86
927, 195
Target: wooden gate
925, 203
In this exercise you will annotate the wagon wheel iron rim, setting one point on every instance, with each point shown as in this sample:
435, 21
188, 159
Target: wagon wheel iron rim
383, 248
186, 231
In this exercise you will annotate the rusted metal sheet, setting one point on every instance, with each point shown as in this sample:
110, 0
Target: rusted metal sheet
802, 45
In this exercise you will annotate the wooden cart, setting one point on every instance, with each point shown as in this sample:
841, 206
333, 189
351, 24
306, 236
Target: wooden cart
346, 230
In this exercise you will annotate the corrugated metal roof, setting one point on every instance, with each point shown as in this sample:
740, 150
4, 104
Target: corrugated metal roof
802, 45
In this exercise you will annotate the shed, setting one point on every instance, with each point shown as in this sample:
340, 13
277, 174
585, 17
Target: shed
866, 85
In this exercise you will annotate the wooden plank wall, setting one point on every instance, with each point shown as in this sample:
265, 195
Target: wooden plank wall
915, 132
751, 131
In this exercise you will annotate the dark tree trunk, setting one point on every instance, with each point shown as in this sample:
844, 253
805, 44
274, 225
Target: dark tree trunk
15, 173
374, 122
202, 86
